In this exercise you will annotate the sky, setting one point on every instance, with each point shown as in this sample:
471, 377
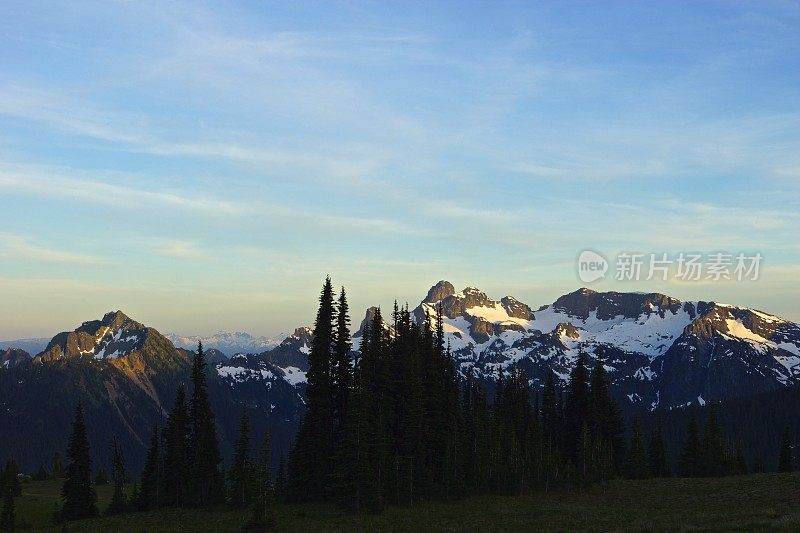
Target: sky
203, 166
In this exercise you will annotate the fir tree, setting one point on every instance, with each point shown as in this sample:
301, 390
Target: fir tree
102, 477
10, 478
176, 467
689, 461
80, 500
576, 408
241, 472
550, 411
206, 482
8, 516
785, 462
636, 465
150, 491
58, 466
42, 474
605, 420
262, 501
659, 466
341, 365
311, 458
118, 501
280, 478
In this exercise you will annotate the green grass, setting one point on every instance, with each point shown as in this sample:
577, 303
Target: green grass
749, 503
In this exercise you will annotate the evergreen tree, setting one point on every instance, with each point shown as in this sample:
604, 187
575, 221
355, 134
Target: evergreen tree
118, 501
785, 462
80, 500
605, 419
280, 478
311, 458
42, 474
714, 452
10, 478
659, 466
576, 408
176, 467
102, 477
550, 411
262, 500
636, 465
241, 472
689, 461
8, 516
150, 491
357, 473
206, 481
740, 466
58, 466
341, 365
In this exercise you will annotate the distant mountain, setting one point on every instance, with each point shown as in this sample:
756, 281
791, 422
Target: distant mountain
228, 343
32, 346
659, 352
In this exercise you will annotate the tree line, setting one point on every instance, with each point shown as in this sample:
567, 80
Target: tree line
391, 422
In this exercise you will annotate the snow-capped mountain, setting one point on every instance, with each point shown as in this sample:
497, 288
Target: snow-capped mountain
658, 351
126, 375
227, 342
112, 336
33, 346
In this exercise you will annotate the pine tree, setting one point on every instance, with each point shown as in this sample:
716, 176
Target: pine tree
576, 408
118, 501
241, 473
311, 458
206, 481
636, 465
605, 419
80, 500
341, 365
176, 467
689, 461
714, 450
58, 466
740, 465
785, 463
8, 516
10, 478
150, 491
357, 473
550, 411
42, 474
102, 477
262, 500
659, 466
280, 478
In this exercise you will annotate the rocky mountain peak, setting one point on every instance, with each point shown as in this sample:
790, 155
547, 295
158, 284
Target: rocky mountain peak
11, 357
438, 292
112, 336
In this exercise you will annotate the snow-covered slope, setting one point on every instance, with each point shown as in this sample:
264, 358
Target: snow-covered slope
113, 336
659, 351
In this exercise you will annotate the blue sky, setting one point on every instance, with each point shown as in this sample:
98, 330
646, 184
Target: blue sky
204, 166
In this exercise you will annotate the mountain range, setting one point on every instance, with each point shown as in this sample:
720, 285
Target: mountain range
660, 353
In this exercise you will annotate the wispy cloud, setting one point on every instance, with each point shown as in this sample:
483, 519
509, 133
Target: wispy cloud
16, 247
180, 249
